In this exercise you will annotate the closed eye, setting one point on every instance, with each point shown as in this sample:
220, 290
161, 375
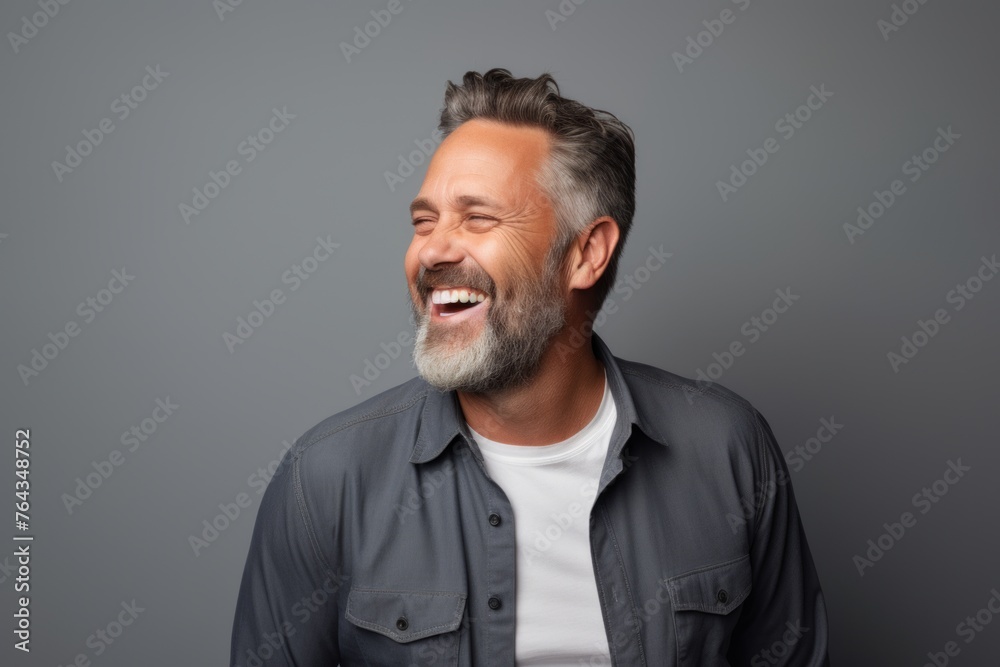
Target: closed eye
480, 219
422, 226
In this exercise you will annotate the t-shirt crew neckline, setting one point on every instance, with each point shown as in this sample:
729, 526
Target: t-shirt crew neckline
536, 455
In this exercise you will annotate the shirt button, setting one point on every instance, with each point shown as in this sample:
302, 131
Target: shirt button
723, 596
401, 623
494, 603
494, 519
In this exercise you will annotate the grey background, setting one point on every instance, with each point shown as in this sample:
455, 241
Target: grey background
324, 175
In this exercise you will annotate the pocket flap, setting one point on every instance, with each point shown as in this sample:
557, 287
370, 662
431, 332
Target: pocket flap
405, 616
717, 589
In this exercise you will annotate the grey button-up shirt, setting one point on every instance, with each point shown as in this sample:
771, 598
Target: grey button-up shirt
381, 539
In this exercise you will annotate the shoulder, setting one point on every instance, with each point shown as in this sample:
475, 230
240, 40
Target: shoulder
664, 396
703, 422
363, 432
707, 427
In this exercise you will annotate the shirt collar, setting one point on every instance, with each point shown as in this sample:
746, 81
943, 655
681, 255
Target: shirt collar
442, 420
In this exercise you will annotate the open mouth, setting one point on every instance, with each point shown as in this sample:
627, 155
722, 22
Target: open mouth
457, 303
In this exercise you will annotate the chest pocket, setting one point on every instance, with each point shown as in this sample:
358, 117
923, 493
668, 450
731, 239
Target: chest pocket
407, 628
705, 603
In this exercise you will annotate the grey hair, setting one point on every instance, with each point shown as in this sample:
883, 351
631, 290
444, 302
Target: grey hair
591, 169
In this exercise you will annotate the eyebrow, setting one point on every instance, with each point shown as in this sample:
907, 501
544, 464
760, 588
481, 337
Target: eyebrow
463, 201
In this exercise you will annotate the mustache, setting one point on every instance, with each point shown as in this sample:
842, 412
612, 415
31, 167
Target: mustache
427, 281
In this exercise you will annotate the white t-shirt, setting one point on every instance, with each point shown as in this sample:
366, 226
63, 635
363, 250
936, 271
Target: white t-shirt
551, 489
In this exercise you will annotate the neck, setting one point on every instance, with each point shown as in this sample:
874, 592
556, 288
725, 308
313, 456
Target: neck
559, 401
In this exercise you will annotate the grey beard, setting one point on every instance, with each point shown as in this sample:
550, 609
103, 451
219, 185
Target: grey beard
508, 350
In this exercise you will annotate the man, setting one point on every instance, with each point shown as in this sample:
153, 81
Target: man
530, 498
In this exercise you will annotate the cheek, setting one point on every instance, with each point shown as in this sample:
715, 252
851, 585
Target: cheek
511, 256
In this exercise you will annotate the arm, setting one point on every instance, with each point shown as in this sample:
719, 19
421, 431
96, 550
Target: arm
286, 613
786, 605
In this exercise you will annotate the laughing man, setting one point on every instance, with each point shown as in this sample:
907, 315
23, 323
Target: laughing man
529, 499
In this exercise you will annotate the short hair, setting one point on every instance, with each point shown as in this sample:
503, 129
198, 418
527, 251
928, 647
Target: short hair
591, 169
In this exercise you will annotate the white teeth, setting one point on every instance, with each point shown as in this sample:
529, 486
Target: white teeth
456, 296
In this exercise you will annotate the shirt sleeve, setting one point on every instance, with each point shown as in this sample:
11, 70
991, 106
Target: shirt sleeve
784, 618
286, 612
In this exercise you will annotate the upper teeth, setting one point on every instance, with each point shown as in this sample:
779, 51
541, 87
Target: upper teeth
462, 295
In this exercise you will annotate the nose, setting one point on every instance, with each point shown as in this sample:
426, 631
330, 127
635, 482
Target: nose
442, 246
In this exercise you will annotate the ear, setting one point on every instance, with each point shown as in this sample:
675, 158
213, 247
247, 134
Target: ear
591, 252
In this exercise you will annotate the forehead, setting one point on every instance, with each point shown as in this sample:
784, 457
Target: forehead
487, 157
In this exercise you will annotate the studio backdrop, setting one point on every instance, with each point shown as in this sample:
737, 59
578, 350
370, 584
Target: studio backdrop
201, 256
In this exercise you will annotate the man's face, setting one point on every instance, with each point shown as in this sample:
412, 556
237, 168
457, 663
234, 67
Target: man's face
482, 225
